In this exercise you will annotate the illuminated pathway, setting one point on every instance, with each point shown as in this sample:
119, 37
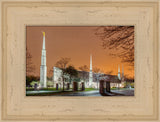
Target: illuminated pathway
124, 92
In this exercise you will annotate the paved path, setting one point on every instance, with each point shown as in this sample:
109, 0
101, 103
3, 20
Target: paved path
86, 93
66, 93
125, 92
40, 91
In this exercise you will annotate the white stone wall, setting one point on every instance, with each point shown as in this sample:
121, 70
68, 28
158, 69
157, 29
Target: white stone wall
57, 75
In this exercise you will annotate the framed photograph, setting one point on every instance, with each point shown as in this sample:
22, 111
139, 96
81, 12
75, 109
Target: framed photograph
84, 61
80, 60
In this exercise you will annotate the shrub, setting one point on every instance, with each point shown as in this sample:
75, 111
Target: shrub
33, 83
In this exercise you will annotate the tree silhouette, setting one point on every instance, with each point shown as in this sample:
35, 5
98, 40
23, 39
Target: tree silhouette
30, 68
84, 68
72, 72
96, 70
119, 40
51, 71
84, 72
62, 64
109, 72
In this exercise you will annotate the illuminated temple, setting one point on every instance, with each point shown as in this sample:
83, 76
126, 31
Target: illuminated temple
90, 78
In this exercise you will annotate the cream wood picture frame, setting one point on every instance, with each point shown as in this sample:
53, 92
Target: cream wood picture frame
17, 14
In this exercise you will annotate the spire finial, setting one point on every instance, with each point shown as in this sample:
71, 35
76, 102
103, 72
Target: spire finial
43, 46
43, 33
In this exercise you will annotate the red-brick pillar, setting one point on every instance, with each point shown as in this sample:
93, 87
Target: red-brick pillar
75, 86
101, 87
56, 86
108, 87
83, 87
68, 86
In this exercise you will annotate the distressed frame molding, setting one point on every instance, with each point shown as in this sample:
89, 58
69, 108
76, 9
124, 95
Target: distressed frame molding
16, 15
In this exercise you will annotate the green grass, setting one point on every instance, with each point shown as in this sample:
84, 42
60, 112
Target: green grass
54, 93
54, 89
118, 88
48, 89
90, 89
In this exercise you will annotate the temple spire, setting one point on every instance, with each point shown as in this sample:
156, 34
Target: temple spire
90, 73
43, 47
43, 67
119, 73
91, 62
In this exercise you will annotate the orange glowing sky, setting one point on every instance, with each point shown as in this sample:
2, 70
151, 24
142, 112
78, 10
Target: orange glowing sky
73, 42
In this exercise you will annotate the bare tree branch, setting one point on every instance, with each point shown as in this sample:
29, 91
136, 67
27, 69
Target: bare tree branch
84, 68
118, 39
62, 63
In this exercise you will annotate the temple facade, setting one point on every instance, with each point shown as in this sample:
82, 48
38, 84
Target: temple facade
90, 78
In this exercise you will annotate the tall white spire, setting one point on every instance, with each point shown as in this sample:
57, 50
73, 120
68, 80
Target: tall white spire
119, 73
43, 47
90, 73
43, 67
91, 62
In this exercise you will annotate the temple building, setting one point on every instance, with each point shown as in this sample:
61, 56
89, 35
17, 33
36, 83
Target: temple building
90, 78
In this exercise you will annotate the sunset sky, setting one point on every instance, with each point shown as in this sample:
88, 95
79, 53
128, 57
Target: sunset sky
73, 42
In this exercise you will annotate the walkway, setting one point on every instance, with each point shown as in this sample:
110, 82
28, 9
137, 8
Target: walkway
83, 93
125, 92
122, 92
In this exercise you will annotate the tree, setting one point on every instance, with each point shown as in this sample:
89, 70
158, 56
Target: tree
62, 64
31, 78
50, 72
109, 72
84, 70
50, 84
30, 68
96, 70
118, 39
33, 83
72, 72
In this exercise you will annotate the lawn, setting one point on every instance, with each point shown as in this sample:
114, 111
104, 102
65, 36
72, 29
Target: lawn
48, 89
90, 89
54, 91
